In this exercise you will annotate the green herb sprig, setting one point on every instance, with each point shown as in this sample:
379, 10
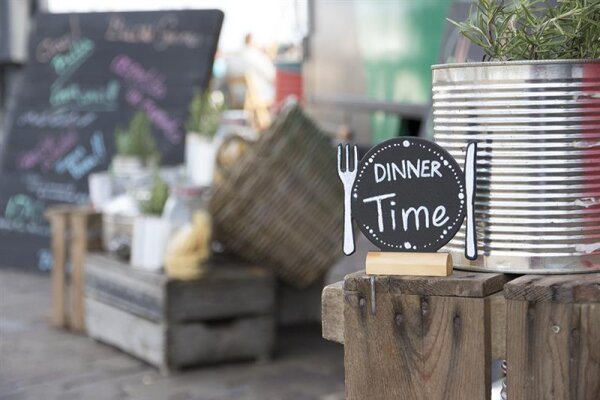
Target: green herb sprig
137, 139
534, 29
158, 197
204, 114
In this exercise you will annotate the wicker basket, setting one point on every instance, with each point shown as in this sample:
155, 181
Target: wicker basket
281, 203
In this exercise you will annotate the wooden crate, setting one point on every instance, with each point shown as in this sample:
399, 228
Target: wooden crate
228, 314
434, 338
75, 230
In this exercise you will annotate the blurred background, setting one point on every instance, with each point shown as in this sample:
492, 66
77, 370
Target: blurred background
170, 209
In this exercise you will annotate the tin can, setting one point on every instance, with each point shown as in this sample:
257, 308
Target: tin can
537, 125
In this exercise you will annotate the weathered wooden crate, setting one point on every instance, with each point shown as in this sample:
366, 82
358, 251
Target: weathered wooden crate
228, 314
75, 230
434, 337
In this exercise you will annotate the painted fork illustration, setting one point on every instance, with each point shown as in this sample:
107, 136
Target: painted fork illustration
347, 174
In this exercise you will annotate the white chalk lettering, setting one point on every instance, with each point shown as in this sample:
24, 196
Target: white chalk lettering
379, 199
439, 217
406, 169
416, 212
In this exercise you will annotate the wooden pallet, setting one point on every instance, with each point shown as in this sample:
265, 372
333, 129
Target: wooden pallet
434, 337
227, 314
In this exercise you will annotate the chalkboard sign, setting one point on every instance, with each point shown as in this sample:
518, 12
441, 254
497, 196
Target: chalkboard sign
89, 73
409, 195
24, 232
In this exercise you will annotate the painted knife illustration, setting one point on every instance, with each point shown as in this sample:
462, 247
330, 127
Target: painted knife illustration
347, 174
471, 183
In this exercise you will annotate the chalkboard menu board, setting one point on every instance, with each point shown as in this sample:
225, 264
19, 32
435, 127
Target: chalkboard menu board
86, 74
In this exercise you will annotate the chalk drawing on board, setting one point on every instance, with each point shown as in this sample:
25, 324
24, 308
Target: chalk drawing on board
408, 195
471, 183
347, 174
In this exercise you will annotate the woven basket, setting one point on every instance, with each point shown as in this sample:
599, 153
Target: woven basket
281, 203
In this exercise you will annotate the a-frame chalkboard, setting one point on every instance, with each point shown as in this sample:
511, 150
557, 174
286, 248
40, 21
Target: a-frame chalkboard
86, 74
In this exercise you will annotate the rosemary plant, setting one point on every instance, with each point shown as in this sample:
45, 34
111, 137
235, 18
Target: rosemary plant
158, 197
204, 114
534, 29
137, 140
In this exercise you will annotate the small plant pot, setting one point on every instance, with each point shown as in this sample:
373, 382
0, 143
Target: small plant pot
150, 235
127, 165
200, 155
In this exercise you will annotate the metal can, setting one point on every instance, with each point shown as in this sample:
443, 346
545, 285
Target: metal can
537, 125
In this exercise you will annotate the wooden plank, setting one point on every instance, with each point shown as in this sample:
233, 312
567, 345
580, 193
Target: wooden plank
211, 342
553, 351
58, 226
332, 312
574, 288
78, 252
498, 325
115, 283
228, 289
413, 264
416, 346
459, 284
137, 336
180, 345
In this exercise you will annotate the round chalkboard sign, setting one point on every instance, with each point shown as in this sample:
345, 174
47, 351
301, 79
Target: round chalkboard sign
409, 195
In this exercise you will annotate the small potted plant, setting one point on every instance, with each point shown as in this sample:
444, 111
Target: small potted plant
203, 122
136, 147
150, 230
533, 107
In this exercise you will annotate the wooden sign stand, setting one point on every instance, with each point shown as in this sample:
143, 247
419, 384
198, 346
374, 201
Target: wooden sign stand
418, 264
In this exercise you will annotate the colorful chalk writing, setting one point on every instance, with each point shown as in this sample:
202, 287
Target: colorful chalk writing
79, 162
171, 127
48, 151
24, 213
45, 260
59, 192
49, 47
100, 98
65, 64
162, 34
56, 119
23, 208
145, 80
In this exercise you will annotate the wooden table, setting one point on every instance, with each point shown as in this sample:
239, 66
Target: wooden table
434, 337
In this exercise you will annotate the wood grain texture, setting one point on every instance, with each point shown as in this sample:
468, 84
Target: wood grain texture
332, 312
79, 242
58, 226
415, 264
115, 283
137, 336
206, 342
170, 346
411, 346
574, 288
553, 350
498, 325
228, 289
459, 284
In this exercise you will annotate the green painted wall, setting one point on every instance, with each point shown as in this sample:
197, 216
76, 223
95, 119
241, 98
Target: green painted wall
399, 40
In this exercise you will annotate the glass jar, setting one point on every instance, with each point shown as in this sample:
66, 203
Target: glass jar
183, 203
190, 231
